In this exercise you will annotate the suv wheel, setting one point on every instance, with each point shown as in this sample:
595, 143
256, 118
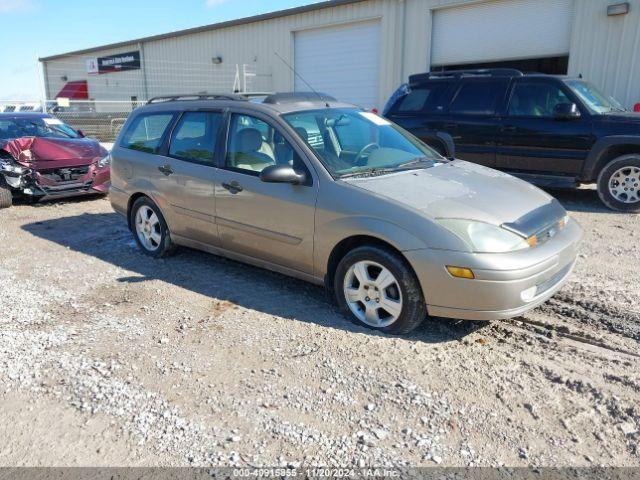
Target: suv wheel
377, 289
619, 184
150, 229
6, 197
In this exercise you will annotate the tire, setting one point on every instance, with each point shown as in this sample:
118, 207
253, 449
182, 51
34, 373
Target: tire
404, 295
157, 240
620, 174
6, 197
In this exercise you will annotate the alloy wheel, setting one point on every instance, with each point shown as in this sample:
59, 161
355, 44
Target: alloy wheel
373, 294
148, 228
624, 185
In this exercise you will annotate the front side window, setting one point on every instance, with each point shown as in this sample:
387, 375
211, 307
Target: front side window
146, 132
358, 142
194, 138
535, 99
478, 97
596, 101
43, 127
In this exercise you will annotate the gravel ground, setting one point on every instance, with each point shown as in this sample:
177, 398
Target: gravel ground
110, 358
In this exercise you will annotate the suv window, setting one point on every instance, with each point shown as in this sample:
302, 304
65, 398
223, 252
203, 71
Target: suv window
425, 98
479, 97
146, 132
535, 99
194, 138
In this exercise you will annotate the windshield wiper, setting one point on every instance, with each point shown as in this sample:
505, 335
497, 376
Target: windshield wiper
382, 170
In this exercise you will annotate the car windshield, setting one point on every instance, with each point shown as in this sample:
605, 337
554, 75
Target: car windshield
595, 100
352, 142
35, 127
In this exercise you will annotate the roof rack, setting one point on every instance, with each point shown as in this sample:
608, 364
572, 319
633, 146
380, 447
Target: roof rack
487, 72
293, 97
203, 96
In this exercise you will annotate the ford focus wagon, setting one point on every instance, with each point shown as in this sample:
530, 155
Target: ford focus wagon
332, 194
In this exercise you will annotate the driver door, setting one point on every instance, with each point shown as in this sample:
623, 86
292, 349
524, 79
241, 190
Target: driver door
272, 222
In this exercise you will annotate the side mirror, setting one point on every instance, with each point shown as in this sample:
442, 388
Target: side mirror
282, 174
566, 111
81, 133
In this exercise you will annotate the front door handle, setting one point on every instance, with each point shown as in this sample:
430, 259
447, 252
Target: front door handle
509, 128
234, 187
166, 169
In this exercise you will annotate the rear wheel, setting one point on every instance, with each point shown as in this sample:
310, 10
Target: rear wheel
6, 197
377, 289
619, 184
150, 229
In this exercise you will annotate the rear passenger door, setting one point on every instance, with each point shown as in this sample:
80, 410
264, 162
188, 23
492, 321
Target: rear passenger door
189, 165
533, 140
472, 119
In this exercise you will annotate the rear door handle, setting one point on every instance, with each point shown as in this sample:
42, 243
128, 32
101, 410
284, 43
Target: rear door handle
509, 128
166, 169
450, 125
234, 187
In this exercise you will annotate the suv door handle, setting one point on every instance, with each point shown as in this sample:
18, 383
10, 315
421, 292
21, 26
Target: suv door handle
166, 169
234, 187
509, 128
450, 125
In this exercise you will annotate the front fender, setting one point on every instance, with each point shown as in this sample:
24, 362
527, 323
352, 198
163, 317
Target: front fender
592, 164
328, 235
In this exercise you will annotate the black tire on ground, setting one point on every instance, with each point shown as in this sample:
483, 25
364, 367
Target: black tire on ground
631, 161
165, 247
6, 197
414, 309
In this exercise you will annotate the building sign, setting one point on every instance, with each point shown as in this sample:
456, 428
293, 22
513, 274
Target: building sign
114, 63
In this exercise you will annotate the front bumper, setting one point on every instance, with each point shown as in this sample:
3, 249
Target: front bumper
48, 184
506, 284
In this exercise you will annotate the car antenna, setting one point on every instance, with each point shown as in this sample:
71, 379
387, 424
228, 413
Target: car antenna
301, 78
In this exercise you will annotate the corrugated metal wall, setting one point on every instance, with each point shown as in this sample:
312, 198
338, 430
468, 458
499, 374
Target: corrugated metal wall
604, 49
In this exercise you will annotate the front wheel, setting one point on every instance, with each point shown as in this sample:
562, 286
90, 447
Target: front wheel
619, 184
6, 197
376, 288
150, 229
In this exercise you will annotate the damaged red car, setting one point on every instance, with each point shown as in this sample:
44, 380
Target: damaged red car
41, 157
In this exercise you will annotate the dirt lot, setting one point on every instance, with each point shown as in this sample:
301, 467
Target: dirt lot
110, 358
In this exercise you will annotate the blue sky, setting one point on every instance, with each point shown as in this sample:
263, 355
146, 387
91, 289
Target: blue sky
37, 28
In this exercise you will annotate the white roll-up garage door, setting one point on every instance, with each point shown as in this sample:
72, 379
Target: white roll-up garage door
342, 61
501, 30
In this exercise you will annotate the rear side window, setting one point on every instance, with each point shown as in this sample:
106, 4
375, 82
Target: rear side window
146, 131
425, 99
478, 97
194, 138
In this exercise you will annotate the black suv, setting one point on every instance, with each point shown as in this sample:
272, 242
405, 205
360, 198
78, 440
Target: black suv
553, 131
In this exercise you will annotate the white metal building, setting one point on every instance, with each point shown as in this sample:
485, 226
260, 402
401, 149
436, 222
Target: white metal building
361, 50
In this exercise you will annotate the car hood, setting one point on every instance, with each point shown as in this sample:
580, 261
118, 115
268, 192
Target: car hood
460, 189
43, 153
633, 117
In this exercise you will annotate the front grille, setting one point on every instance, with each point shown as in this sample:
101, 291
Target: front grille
550, 231
64, 174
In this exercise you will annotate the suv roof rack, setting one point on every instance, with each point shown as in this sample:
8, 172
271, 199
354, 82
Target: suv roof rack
294, 97
200, 96
487, 72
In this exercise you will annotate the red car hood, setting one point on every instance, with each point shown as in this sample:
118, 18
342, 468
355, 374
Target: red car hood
44, 153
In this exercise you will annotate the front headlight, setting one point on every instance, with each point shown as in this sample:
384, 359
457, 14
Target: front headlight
104, 161
484, 237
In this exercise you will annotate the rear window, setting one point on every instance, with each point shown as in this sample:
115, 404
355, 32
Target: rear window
146, 131
478, 97
422, 99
